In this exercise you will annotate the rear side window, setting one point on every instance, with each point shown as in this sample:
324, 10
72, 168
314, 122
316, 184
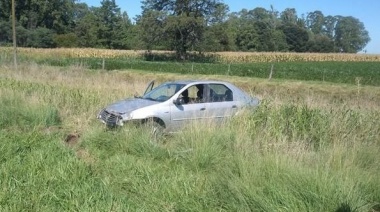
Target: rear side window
219, 93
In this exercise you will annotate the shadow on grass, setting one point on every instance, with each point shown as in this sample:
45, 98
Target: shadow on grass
344, 207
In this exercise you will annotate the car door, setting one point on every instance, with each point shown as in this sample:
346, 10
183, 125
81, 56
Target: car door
187, 112
149, 87
219, 102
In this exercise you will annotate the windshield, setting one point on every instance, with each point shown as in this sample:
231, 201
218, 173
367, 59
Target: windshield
163, 92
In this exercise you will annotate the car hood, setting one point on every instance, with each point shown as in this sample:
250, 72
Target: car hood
129, 105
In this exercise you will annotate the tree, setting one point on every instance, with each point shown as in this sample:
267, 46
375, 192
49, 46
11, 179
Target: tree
328, 27
41, 38
56, 15
320, 43
315, 21
180, 25
111, 25
219, 15
258, 30
86, 28
5, 10
22, 36
246, 34
68, 40
269, 37
120, 33
350, 35
5, 32
185, 21
151, 28
296, 37
289, 16
279, 41
247, 39
217, 36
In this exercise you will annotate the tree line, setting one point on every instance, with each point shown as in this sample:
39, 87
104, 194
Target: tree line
179, 25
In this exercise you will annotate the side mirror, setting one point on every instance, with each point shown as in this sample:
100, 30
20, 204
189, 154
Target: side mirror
178, 101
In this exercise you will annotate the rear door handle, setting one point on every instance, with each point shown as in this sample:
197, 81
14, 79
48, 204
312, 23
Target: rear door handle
234, 106
203, 108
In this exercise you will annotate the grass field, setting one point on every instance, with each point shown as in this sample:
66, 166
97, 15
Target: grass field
310, 146
352, 69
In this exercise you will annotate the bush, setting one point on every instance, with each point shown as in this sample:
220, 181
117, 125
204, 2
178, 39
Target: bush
41, 38
66, 40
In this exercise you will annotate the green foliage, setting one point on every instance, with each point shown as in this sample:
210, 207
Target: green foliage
182, 26
183, 22
73, 97
66, 40
151, 29
86, 30
218, 39
112, 28
320, 43
16, 113
266, 160
296, 37
351, 35
41, 38
38, 173
5, 29
315, 21
294, 156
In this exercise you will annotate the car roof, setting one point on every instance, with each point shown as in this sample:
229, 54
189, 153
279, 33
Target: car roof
197, 81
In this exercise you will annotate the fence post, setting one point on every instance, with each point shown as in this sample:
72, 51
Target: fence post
271, 72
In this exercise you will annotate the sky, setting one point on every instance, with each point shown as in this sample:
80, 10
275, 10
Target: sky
367, 11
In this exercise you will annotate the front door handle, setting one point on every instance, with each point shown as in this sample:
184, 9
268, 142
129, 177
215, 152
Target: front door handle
234, 106
203, 108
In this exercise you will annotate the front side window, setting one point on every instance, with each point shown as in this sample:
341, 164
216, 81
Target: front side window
193, 94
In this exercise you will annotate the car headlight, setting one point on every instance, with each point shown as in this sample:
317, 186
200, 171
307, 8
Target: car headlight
119, 121
125, 117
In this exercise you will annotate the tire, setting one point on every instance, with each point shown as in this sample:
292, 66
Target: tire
156, 129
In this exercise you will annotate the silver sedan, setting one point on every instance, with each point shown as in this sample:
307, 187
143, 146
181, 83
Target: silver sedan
172, 105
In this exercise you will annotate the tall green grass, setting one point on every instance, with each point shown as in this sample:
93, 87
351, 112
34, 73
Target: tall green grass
38, 173
247, 164
290, 156
15, 112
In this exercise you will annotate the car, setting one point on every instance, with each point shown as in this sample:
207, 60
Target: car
171, 105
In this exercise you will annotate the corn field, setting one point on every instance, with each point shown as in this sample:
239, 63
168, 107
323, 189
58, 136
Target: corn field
249, 57
221, 57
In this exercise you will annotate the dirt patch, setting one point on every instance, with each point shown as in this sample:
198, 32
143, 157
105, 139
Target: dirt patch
72, 139
84, 155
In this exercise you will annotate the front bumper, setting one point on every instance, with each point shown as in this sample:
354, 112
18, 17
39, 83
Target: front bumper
110, 119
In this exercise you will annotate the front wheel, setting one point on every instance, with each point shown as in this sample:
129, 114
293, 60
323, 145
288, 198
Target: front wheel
155, 128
